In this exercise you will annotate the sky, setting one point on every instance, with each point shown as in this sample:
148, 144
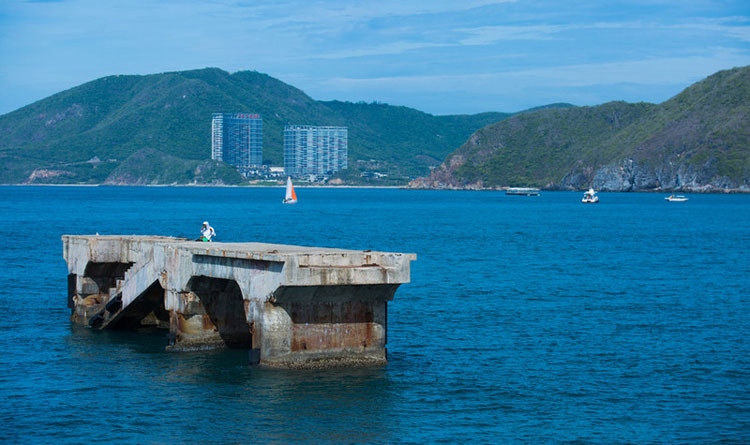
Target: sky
439, 56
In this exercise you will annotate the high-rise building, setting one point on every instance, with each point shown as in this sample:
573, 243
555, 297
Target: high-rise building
237, 139
318, 151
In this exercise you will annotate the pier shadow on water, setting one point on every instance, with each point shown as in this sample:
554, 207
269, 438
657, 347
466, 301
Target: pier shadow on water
257, 404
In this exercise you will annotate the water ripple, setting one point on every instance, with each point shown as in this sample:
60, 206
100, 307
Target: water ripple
526, 320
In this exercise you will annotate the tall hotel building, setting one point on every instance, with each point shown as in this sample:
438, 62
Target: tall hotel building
237, 139
315, 151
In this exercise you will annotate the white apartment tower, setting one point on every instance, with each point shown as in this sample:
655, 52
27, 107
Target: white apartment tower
311, 150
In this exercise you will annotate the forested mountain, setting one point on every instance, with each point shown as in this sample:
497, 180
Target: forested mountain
87, 133
697, 140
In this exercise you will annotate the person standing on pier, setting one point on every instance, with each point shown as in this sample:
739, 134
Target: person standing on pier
207, 232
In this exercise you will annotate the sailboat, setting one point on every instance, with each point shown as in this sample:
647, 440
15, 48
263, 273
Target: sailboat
291, 197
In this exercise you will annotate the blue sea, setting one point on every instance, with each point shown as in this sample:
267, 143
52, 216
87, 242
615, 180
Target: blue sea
531, 319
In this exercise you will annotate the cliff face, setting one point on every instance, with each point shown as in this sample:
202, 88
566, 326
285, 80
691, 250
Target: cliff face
697, 141
631, 176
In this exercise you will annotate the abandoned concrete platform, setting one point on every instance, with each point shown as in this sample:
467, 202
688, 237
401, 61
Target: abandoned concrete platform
287, 305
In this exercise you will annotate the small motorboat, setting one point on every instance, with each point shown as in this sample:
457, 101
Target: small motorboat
522, 191
590, 197
676, 198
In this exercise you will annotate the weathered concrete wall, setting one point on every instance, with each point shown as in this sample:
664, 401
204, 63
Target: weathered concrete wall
288, 305
329, 322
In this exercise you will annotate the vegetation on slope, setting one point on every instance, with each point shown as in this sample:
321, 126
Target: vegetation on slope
150, 167
534, 148
702, 132
114, 117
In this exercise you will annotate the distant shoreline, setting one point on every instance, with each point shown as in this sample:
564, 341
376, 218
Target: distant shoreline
212, 186
697, 192
402, 187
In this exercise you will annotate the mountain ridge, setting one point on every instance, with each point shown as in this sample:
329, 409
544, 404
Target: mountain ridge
114, 117
698, 140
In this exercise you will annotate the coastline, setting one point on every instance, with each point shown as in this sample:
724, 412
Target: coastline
681, 191
715, 191
212, 186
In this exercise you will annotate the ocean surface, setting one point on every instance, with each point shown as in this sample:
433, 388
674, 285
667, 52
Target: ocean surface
527, 319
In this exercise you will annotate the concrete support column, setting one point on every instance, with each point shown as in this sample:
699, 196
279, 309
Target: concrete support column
192, 328
325, 324
211, 315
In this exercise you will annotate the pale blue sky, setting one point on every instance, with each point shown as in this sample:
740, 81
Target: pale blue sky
443, 57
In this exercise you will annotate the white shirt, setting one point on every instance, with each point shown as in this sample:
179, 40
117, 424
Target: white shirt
208, 232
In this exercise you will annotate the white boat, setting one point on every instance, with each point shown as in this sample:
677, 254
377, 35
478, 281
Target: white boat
522, 191
590, 197
676, 198
291, 196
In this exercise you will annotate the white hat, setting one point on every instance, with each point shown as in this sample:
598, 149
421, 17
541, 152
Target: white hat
205, 223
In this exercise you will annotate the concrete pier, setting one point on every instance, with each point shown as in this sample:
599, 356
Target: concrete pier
287, 305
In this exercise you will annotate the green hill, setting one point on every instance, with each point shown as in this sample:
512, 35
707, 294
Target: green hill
697, 140
84, 134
